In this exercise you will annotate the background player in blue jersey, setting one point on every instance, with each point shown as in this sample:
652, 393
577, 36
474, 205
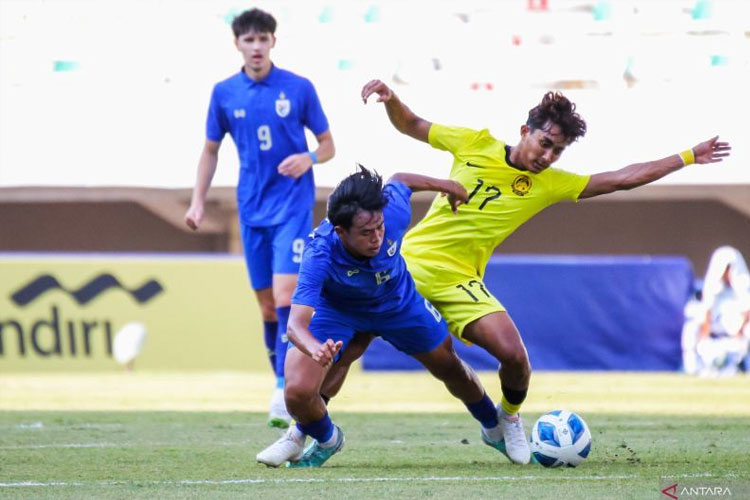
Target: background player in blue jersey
266, 110
354, 279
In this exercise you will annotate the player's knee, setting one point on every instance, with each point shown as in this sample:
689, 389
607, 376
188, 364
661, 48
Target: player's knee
298, 395
267, 310
518, 359
282, 297
451, 369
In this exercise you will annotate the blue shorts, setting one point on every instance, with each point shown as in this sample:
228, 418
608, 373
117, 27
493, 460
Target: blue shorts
415, 329
276, 249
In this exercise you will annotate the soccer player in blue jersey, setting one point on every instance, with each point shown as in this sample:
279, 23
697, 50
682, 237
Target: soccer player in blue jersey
353, 279
266, 110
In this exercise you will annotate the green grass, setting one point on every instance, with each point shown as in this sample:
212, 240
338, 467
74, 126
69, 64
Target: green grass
157, 454
423, 453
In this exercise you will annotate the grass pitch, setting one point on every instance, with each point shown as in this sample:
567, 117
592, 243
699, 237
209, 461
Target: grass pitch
196, 435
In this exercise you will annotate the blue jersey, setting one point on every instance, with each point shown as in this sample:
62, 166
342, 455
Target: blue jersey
330, 276
267, 121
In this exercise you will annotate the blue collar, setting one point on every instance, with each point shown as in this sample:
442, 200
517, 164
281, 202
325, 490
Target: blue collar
267, 81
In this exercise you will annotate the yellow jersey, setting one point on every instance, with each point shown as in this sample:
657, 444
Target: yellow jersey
501, 198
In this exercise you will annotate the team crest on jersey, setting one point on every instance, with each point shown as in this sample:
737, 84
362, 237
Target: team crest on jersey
392, 246
283, 105
352, 272
521, 185
239, 113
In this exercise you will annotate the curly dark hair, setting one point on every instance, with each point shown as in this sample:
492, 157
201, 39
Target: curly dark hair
253, 20
363, 190
557, 109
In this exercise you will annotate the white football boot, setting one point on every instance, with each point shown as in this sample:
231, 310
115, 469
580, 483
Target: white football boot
516, 445
287, 448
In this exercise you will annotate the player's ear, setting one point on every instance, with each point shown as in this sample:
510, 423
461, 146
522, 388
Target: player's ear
340, 231
524, 130
273, 40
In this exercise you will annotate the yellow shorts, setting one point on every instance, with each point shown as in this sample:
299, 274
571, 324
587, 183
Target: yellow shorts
459, 297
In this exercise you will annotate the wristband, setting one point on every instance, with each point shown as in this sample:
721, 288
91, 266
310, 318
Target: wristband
313, 156
688, 157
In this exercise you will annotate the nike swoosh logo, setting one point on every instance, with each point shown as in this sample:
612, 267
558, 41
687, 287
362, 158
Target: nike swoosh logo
469, 164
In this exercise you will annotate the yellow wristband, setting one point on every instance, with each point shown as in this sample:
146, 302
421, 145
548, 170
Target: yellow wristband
688, 157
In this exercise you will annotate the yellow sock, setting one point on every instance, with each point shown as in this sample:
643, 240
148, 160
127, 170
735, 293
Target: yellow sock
508, 408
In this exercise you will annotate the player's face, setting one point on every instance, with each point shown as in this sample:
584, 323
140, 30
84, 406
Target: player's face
256, 49
541, 148
364, 239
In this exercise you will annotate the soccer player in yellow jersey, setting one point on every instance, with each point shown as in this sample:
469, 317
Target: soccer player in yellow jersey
507, 185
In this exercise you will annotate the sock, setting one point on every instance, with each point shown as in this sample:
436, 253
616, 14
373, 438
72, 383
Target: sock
332, 440
484, 410
320, 430
512, 399
269, 337
282, 342
297, 434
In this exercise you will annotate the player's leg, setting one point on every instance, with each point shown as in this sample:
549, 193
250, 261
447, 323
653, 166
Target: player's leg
257, 250
264, 297
462, 382
287, 246
287, 242
283, 289
475, 315
498, 335
303, 400
257, 246
420, 331
304, 379
302, 389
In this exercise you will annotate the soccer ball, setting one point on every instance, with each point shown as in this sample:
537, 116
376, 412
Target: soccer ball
560, 437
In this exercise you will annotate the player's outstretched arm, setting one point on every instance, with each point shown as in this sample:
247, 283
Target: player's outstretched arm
399, 113
638, 174
298, 330
455, 192
206, 169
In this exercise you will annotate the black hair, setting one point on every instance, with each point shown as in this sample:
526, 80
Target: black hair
557, 109
253, 20
363, 190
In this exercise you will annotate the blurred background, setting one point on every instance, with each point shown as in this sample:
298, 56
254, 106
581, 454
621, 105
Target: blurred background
102, 120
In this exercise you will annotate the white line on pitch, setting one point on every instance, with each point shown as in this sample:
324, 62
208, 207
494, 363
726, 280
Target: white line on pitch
108, 445
188, 482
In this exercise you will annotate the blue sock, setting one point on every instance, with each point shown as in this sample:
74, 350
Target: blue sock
282, 315
269, 337
484, 410
320, 430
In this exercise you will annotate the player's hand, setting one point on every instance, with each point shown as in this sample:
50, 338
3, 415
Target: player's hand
711, 151
456, 194
326, 352
295, 165
385, 94
194, 216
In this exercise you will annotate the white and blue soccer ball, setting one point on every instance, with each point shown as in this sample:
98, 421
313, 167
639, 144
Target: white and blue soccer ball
560, 437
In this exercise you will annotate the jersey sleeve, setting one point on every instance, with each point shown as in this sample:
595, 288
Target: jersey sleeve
567, 185
313, 271
216, 122
314, 119
397, 212
451, 139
